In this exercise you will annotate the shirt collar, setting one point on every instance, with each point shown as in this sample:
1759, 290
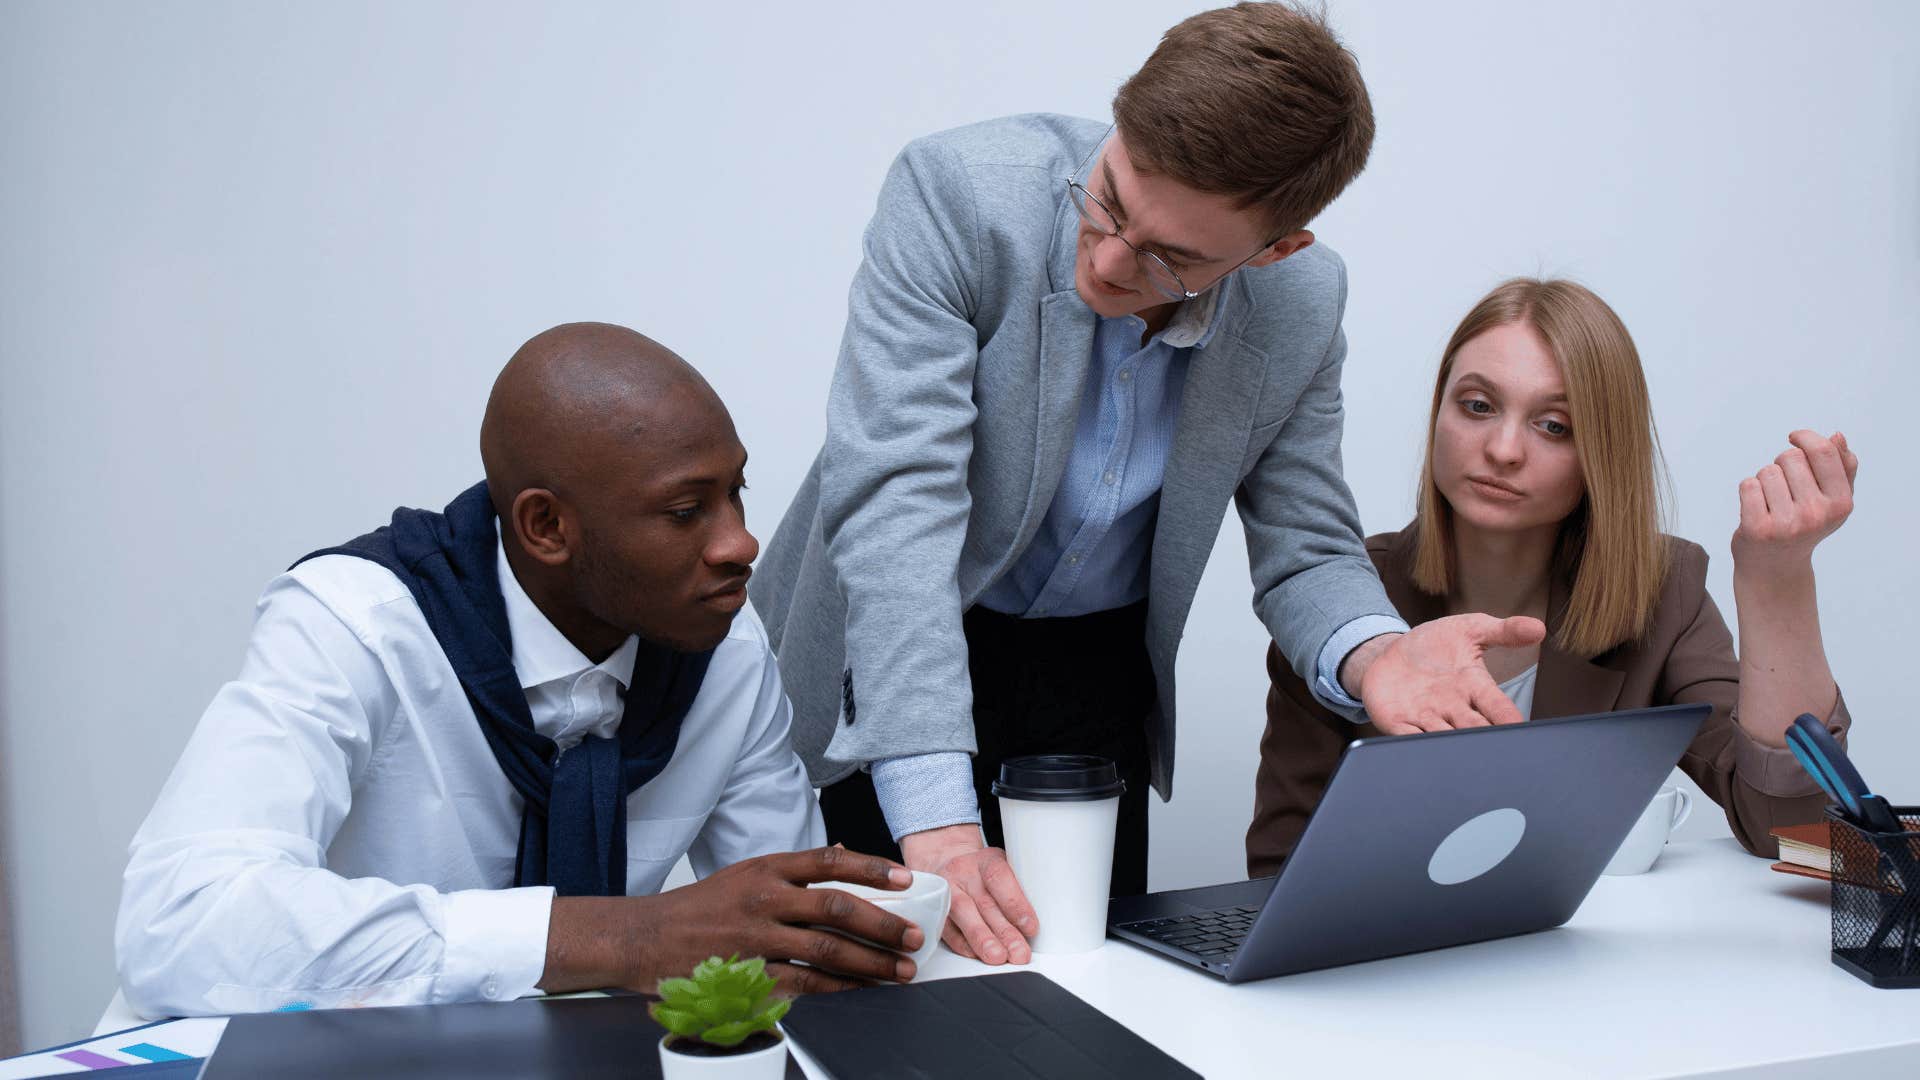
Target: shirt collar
541, 653
1195, 321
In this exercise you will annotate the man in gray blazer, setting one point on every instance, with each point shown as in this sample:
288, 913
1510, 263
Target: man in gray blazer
1067, 348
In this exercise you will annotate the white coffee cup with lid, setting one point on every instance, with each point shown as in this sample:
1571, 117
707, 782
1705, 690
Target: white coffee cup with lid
1058, 813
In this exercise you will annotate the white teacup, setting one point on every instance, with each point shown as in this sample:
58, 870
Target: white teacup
923, 903
1649, 834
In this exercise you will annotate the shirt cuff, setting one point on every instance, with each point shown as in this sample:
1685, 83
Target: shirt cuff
496, 943
1327, 688
925, 791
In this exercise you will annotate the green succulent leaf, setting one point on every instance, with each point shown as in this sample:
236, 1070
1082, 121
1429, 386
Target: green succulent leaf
675, 1020
729, 1034
720, 1010
722, 1003
680, 993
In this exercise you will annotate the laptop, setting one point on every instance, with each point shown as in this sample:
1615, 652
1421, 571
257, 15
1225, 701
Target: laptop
1426, 841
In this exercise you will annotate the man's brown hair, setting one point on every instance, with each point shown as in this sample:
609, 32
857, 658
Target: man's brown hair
1258, 101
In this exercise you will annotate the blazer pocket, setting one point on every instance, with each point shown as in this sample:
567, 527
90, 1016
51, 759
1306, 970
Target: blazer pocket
1259, 439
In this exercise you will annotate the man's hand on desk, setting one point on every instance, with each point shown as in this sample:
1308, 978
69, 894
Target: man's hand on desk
1435, 676
758, 907
991, 919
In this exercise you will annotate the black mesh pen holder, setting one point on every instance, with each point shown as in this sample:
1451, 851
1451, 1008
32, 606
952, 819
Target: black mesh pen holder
1876, 900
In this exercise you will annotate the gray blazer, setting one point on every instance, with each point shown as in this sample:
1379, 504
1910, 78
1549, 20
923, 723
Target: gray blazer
949, 422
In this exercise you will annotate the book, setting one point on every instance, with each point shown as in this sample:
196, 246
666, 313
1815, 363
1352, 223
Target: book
1807, 850
1805, 847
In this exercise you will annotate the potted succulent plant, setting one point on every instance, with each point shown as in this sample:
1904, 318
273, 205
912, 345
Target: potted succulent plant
720, 1023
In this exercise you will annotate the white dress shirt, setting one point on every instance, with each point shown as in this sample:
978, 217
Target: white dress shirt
338, 832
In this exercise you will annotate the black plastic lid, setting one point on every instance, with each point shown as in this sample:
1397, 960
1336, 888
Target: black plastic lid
1059, 778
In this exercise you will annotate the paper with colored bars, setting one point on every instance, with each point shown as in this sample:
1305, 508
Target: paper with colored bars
170, 1040
154, 1044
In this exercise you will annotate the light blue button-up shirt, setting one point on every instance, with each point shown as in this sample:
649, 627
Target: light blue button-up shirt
1094, 547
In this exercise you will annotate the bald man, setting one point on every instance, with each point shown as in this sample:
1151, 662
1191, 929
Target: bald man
465, 750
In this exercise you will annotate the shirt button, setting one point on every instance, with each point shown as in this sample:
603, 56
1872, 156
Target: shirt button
1126, 376
490, 988
1108, 477
1041, 612
1073, 560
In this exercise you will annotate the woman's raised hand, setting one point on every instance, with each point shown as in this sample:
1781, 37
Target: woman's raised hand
1791, 505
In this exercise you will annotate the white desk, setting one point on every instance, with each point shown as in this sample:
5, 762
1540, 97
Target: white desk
1711, 964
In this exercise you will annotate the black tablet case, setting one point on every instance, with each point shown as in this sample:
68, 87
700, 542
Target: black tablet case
580, 1037
1012, 1026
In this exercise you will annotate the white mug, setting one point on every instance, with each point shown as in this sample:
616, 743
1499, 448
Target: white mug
923, 903
1642, 846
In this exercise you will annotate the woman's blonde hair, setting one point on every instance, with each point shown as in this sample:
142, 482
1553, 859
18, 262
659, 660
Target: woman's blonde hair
1611, 544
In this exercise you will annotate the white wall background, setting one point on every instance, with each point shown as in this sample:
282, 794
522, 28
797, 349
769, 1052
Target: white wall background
260, 263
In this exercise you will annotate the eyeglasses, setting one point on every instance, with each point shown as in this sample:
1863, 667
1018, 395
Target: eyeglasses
1158, 274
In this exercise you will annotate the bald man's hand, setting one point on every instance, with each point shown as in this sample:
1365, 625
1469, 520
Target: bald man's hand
757, 907
1435, 676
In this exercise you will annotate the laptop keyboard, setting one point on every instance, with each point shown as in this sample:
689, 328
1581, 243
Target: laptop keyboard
1214, 935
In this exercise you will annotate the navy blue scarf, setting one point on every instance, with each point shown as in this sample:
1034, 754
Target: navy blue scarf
573, 834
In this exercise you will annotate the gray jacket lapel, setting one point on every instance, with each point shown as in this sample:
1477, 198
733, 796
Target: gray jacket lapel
1203, 468
1066, 350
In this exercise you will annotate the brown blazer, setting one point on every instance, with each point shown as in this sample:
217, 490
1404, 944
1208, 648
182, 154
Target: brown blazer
1687, 656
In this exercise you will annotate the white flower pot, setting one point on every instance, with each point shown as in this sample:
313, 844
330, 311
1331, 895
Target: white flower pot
767, 1063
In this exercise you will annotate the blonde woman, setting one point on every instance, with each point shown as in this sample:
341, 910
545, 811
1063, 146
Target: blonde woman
1539, 498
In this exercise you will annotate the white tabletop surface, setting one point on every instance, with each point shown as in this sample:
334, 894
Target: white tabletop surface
1709, 963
